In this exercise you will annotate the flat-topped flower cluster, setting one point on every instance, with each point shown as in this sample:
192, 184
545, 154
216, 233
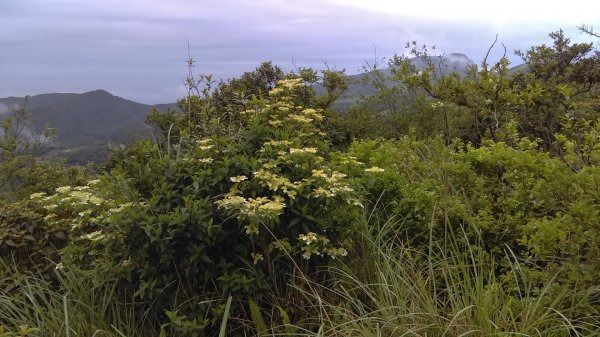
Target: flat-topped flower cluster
80, 209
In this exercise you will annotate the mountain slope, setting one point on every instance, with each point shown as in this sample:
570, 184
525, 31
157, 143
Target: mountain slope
90, 122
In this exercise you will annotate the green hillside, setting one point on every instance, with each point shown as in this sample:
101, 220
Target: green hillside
88, 124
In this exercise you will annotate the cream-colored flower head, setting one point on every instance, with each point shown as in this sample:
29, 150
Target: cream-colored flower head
374, 169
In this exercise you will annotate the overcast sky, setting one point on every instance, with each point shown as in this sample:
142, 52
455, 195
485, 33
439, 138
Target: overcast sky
137, 49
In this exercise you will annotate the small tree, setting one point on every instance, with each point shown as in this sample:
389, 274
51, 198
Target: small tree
21, 173
16, 148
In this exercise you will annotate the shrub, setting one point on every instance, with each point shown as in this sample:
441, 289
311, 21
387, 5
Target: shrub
214, 216
515, 198
28, 239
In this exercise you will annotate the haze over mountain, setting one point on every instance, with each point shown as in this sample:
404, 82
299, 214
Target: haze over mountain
90, 123
92, 120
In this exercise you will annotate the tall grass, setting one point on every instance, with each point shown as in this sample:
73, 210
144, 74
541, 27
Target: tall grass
74, 304
388, 288
394, 289
69, 305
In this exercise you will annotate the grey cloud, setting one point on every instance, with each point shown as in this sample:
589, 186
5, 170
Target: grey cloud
138, 49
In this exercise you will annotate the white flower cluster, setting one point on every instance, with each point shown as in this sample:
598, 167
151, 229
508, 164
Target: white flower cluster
253, 209
374, 169
79, 206
351, 160
331, 184
276, 182
313, 114
283, 85
300, 118
120, 208
437, 105
277, 143
319, 245
68, 196
93, 236
238, 179
310, 150
256, 257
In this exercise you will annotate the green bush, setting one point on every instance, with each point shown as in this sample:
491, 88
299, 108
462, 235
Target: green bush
28, 239
516, 199
213, 216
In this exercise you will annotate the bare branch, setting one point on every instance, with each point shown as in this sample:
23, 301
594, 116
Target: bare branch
484, 64
588, 30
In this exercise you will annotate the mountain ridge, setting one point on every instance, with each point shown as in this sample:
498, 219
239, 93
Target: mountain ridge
89, 123
95, 119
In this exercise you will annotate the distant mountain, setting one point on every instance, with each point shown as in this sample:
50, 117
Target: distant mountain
521, 68
358, 84
88, 124
450, 63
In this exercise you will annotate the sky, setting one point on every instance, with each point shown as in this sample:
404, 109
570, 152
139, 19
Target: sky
138, 49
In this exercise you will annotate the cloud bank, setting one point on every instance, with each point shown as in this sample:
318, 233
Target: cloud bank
138, 49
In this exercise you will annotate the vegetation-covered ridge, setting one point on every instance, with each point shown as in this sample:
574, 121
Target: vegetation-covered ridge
87, 124
442, 204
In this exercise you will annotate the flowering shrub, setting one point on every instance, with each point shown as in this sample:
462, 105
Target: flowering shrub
293, 192
213, 214
32, 230
27, 239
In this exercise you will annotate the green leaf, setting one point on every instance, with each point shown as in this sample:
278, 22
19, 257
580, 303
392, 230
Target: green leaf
225, 317
257, 318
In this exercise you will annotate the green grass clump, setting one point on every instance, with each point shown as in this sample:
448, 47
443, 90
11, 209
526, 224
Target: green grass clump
70, 305
391, 288
395, 289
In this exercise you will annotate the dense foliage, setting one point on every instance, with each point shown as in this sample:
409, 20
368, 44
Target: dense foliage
443, 205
